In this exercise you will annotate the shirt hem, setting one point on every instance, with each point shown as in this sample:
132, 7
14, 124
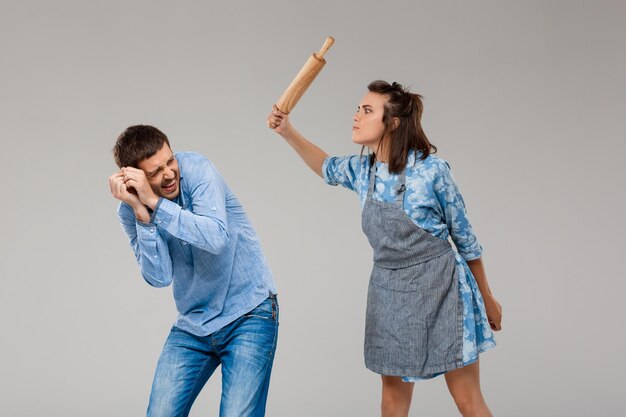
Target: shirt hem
220, 322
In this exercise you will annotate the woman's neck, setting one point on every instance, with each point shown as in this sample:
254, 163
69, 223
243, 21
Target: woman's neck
381, 151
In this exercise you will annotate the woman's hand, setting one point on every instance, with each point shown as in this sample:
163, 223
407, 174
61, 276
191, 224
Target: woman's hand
312, 155
494, 312
278, 121
493, 307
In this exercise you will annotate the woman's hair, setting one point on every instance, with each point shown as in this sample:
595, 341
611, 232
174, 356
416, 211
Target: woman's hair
137, 143
408, 135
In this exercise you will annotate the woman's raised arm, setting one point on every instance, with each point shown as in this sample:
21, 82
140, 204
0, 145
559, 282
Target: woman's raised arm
312, 155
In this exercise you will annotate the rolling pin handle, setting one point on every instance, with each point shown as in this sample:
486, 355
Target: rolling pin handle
329, 42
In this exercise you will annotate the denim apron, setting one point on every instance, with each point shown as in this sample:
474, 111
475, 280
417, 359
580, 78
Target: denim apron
414, 319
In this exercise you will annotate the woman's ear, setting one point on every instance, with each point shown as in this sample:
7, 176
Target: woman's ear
395, 123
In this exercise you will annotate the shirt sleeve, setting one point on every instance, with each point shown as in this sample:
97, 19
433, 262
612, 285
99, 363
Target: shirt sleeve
151, 251
205, 226
344, 170
455, 214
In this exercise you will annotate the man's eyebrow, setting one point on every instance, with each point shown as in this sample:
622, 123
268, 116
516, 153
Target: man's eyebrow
171, 158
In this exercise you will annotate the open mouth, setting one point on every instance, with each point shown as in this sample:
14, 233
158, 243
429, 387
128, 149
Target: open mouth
169, 187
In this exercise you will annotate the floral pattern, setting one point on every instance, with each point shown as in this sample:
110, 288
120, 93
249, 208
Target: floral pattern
434, 203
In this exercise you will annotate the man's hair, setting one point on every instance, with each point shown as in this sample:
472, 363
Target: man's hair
137, 143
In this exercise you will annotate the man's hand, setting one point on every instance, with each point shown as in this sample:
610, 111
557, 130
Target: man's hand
121, 191
136, 180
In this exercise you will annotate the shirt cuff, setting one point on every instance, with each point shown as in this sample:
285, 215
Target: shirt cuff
164, 211
146, 232
156, 208
472, 254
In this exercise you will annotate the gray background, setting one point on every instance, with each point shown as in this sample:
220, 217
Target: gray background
526, 100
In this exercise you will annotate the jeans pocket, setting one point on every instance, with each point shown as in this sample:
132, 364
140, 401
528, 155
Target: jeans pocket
267, 310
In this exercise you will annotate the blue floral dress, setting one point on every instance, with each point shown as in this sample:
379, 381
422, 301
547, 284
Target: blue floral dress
433, 201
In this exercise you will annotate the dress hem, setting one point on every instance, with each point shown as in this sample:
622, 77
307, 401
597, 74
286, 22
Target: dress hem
383, 370
483, 349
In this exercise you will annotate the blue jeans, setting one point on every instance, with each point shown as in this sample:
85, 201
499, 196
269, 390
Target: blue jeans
244, 348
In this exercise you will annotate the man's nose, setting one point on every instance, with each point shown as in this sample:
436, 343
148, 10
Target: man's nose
168, 173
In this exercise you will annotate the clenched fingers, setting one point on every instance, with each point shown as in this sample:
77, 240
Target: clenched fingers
275, 118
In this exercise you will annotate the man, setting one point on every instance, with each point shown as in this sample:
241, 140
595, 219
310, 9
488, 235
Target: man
188, 229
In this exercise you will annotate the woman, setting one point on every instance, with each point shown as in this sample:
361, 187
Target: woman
429, 309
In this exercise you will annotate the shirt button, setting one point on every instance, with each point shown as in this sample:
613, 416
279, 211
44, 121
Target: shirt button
158, 220
151, 230
184, 243
156, 257
213, 208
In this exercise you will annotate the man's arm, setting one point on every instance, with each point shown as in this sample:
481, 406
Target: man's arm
206, 225
150, 249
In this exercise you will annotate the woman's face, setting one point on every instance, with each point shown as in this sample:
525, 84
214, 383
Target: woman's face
368, 127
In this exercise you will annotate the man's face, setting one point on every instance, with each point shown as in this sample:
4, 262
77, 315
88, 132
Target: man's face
162, 172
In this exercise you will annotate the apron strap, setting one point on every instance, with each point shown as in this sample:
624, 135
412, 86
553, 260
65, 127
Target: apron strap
400, 187
370, 191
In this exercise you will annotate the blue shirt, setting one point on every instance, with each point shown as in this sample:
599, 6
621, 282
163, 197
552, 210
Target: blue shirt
202, 243
432, 200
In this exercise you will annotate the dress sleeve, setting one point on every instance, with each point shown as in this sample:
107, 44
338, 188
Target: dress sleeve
343, 170
455, 214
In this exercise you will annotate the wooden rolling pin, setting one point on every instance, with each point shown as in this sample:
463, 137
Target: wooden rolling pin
303, 80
